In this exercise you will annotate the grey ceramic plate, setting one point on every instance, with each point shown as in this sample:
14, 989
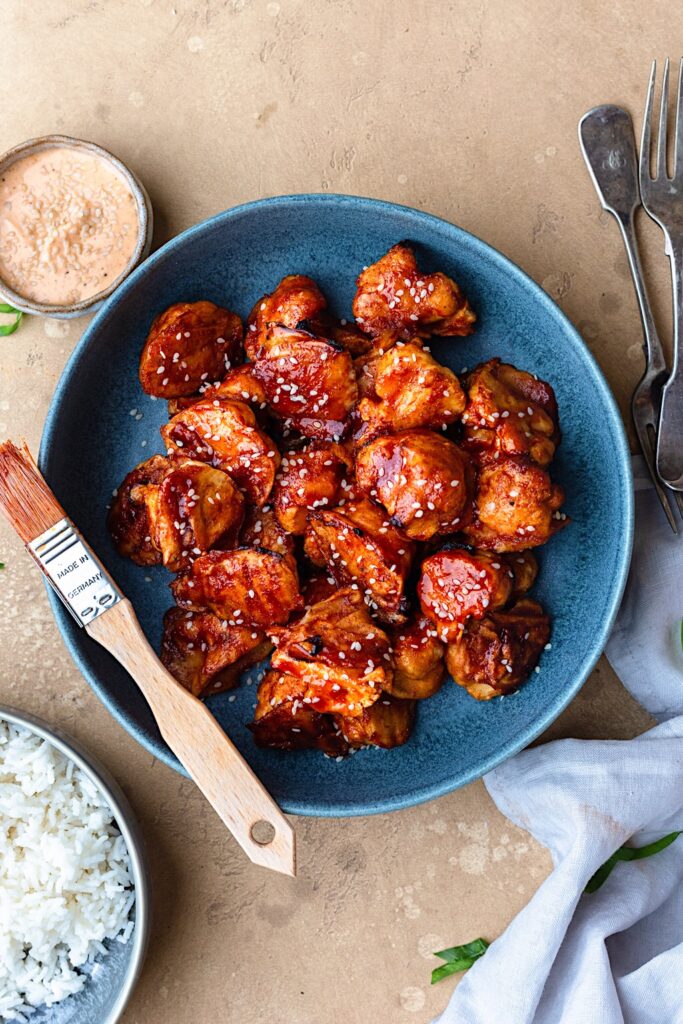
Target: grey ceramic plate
91, 441
104, 996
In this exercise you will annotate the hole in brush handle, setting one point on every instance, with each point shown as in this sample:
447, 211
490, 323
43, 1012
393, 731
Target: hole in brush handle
262, 832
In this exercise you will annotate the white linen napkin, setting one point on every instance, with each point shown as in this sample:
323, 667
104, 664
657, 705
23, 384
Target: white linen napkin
615, 956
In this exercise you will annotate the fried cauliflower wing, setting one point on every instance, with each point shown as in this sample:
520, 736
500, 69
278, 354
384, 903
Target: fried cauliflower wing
365, 369
171, 510
223, 433
457, 584
524, 568
309, 382
240, 383
422, 479
418, 654
339, 653
296, 299
245, 586
345, 334
496, 654
189, 344
358, 545
387, 723
394, 296
517, 506
318, 587
189, 510
308, 479
282, 720
207, 655
261, 529
128, 519
409, 390
510, 411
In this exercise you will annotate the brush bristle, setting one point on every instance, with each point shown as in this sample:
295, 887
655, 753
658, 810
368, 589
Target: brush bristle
25, 499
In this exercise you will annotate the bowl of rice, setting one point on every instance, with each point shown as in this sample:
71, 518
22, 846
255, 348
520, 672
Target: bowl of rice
74, 890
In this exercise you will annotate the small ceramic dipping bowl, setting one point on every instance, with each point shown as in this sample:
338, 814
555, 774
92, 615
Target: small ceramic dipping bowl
144, 217
106, 992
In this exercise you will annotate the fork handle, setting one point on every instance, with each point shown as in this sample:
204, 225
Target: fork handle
670, 432
654, 354
655, 361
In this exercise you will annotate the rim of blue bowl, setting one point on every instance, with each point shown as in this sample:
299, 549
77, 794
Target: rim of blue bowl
129, 828
506, 266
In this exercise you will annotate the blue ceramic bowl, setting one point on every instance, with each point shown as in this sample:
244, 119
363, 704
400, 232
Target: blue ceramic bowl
93, 438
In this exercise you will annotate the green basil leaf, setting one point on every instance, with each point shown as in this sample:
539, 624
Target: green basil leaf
628, 853
6, 329
458, 958
446, 970
475, 948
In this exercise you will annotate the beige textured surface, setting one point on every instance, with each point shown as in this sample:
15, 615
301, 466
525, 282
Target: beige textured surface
465, 110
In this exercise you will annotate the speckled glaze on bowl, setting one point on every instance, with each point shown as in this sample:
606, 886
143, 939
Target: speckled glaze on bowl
105, 995
92, 439
143, 245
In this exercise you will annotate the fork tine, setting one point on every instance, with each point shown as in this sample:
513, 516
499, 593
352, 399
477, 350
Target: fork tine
647, 447
662, 492
646, 137
661, 169
678, 159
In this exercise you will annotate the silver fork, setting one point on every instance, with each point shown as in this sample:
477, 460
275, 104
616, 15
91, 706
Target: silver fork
609, 149
662, 197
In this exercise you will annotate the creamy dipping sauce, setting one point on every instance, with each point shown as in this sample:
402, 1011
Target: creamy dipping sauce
69, 225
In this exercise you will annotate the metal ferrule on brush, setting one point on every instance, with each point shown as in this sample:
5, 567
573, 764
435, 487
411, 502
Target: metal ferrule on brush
74, 572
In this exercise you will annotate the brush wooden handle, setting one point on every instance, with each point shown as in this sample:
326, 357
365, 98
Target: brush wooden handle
199, 743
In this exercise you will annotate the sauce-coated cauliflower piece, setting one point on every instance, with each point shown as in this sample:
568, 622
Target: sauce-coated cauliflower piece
510, 411
517, 505
223, 432
394, 295
189, 344
458, 583
408, 390
245, 586
207, 655
422, 479
496, 654
359, 546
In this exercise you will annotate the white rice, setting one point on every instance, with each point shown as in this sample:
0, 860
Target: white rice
65, 882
